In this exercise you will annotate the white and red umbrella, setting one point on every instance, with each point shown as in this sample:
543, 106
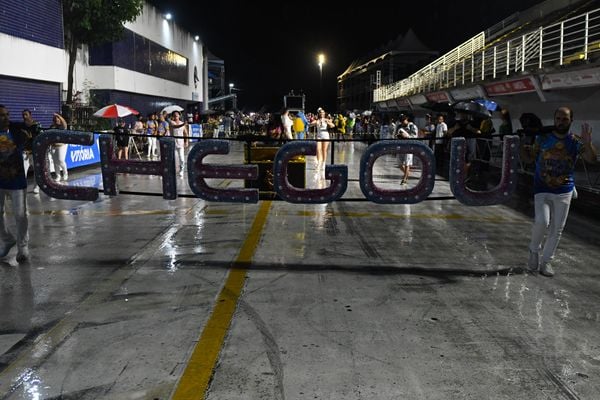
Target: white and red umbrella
115, 111
172, 108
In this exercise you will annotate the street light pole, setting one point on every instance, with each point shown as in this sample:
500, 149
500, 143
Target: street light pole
321, 62
233, 99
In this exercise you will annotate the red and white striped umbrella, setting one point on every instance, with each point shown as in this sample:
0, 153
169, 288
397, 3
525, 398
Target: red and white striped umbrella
115, 111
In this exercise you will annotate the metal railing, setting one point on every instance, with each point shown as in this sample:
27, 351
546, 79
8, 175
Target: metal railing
432, 75
574, 40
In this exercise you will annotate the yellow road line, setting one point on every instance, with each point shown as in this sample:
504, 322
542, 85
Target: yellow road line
198, 373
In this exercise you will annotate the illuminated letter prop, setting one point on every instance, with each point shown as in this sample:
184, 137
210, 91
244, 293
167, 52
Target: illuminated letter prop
165, 167
385, 196
498, 194
198, 172
41, 144
337, 174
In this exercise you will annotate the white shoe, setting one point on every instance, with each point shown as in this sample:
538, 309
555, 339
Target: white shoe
36, 189
5, 248
546, 269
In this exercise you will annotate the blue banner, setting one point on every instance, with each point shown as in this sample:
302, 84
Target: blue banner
78, 155
196, 131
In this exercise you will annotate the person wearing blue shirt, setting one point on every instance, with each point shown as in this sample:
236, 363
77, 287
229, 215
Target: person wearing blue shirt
301, 133
554, 154
13, 185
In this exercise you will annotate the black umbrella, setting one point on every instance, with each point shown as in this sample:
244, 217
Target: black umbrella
473, 108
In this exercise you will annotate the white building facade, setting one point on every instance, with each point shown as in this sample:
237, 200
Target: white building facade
155, 64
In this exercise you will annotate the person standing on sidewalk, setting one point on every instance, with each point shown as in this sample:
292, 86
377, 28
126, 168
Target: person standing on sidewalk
59, 150
554, 155
31, 129
13, 185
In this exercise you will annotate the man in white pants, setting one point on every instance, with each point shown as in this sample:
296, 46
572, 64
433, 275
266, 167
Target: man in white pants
13, 184
554, 154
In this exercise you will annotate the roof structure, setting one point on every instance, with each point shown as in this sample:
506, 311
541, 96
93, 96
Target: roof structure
408, 43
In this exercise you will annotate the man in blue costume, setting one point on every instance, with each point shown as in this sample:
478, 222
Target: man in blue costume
554, 154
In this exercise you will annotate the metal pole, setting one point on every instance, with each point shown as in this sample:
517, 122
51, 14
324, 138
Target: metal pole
332, 152
320, 85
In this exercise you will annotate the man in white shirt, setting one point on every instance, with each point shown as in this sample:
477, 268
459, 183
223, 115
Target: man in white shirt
287, 121
441, 129
406, 130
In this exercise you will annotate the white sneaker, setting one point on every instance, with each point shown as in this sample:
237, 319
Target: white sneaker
36, 189
23, 254
546, 269
5, 248
534, 261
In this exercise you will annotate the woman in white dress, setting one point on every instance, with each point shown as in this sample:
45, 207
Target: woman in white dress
322, 123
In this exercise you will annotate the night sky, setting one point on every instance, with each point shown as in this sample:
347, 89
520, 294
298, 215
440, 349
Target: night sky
269, 51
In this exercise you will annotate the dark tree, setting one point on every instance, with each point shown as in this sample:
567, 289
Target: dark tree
94, 22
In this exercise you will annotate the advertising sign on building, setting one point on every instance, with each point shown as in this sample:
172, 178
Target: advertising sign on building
469, 93
403, 102
438, 97
418, 99
515, 86
569, 79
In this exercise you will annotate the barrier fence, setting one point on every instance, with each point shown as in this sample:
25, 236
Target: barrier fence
487, 151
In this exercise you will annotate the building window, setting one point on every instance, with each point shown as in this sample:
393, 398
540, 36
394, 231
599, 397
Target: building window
137, 53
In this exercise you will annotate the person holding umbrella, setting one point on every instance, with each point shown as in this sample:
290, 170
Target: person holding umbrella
178, 127
122, 138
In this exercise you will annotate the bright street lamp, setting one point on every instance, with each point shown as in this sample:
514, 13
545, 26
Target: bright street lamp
321, 62
231, 85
